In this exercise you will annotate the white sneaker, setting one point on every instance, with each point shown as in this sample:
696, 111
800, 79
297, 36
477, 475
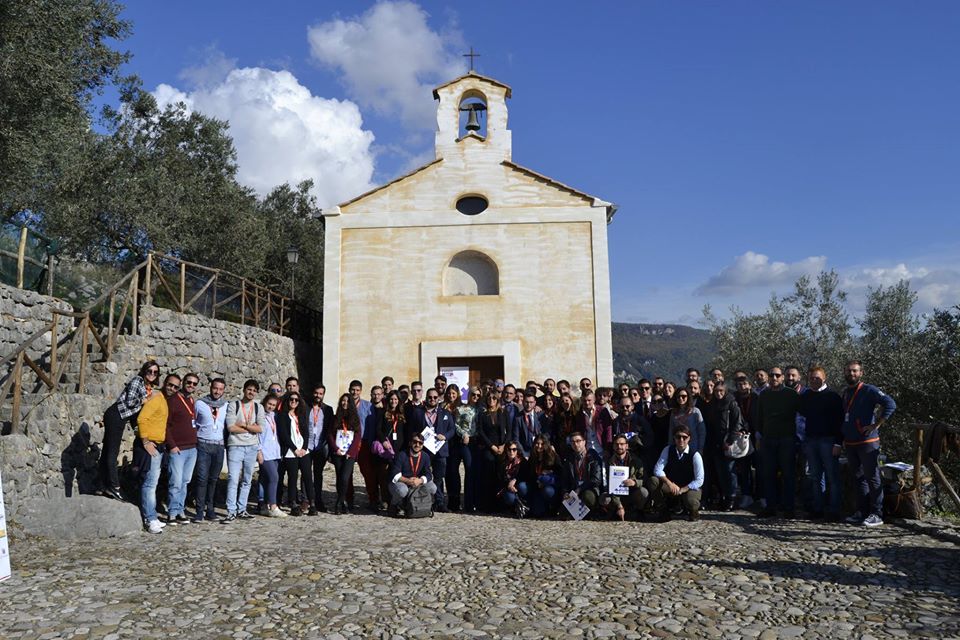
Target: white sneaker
154, 526
856, 518
872, 520
275, 512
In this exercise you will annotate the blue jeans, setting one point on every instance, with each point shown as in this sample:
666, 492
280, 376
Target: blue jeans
542, 500
722, 471
439, 475
509, 498
269, 479
823, 469
148, 488
209, 464
180, 467
779, 454
240, 462
865, 464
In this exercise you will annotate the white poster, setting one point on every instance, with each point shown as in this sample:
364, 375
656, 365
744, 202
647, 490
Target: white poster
459, 376
576, 507
430, 441
4, 546
617, 476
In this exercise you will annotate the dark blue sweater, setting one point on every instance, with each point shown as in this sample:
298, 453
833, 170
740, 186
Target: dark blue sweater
823, 412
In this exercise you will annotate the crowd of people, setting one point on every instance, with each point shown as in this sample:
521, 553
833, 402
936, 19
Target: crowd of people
655, 450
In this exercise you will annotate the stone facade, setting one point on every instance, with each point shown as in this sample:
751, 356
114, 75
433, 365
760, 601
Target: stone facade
58, 453
398, 259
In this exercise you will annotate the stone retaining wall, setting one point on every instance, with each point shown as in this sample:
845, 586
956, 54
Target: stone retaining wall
58, 453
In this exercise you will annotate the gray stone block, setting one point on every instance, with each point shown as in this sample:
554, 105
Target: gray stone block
79, 518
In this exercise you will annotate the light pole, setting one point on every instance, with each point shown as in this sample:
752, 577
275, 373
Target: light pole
293, 255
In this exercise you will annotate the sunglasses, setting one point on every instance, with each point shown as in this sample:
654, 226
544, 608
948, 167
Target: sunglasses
191, 383
275, 390
420, 442
681, 437
153, 372
175, 387
512, 449
294, 400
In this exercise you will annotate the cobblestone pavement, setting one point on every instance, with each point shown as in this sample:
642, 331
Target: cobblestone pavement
368, 576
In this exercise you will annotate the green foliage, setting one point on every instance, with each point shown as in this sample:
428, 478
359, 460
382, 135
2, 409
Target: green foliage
807, 327
916, 362
54, 58
146, 179
648, 350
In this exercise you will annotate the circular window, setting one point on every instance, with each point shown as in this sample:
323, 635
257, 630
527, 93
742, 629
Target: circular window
471, 205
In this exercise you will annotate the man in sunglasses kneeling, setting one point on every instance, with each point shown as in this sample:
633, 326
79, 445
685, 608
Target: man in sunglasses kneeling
678, 475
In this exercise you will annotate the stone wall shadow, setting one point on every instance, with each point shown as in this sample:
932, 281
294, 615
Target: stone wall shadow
78, 463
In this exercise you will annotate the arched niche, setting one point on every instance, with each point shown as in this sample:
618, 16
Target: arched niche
473, 100
471, 273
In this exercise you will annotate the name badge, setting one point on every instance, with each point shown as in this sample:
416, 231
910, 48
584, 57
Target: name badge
846, 417
193, 423
393, 436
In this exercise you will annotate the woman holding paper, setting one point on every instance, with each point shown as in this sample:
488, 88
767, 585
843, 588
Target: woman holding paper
344, 440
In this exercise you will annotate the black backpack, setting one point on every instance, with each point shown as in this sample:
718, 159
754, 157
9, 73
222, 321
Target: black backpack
419, 503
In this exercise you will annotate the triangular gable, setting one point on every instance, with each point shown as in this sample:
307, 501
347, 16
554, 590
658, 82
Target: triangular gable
391, 183
539, 177
476, 76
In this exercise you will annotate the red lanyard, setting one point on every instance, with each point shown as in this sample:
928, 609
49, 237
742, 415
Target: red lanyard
850, 402
394, 421
186, 406
246, 418
315, 413
415, 468
581, 467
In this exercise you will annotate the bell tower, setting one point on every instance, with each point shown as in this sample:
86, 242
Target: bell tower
472, 118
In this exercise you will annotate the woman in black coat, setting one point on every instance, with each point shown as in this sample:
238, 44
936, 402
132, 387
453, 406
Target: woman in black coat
293, 432
493, 432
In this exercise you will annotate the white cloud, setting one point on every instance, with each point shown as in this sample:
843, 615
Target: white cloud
281, 131
752, 270
211, 72
936, 288
390, 59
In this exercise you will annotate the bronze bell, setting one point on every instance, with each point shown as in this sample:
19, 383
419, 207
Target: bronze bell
473, 122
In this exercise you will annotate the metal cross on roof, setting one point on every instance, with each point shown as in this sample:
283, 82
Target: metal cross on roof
471, 55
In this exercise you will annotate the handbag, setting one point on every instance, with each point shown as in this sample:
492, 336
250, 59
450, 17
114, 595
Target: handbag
740, 447
385, 452
904, 504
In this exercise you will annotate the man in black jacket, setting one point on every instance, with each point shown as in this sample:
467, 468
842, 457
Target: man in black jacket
321, 419
582, 472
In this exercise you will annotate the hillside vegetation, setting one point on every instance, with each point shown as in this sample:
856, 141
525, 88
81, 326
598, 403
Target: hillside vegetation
647, 350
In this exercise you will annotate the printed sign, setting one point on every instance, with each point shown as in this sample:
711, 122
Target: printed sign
4, 545
459, 376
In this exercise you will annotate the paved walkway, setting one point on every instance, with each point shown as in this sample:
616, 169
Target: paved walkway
367, 576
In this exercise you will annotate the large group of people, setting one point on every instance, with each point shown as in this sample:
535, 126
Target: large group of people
654, 450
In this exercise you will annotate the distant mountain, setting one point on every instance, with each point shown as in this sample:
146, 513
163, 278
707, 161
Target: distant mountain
648, 350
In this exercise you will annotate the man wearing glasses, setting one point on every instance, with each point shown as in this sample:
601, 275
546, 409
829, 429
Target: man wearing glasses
181, 441
776, 434
444, 425
582, 472
210, 423
678, 475
411, 470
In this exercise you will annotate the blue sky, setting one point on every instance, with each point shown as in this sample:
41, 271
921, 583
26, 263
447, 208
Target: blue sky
746, 143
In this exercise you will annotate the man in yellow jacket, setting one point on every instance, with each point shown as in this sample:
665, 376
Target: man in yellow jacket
152, 428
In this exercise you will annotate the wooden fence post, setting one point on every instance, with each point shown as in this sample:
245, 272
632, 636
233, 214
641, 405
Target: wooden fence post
84, 327
148, 300
21, 256
17, 393
49, 274
183, 284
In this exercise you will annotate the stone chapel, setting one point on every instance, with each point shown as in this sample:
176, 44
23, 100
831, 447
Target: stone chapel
472, 264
